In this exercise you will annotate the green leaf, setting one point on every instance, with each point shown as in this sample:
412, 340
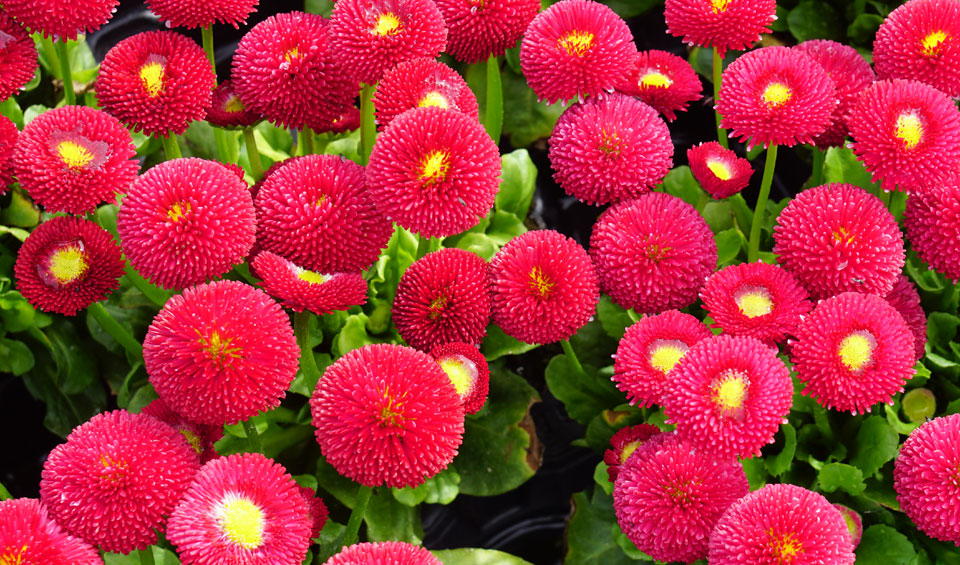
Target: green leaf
518, 185
353, 334
474, 556
322, 7
11, 110
15, 357
815, 19
614, 319
729, 243
479, 243
680, 183
440, 489
602, 427
588, 532
388, 520
883, 545
21, 212
524, 119
941, 328
583, 396
756, 472
876, 444
841, 165
629, 548
781, 462
161, 556
301, 384
864, 28
16, 313
895, 422
602, 477
504, 226
835, 476
496, 344
719, 215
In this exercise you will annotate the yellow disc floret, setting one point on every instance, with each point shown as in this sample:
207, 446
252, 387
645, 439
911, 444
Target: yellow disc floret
931, 43
776, 94
719, 169
655, 79
8, 557
233, 105
628, 450
74, 155
754, 302
291, 54
664, 355
909, 129
540, 283
219, 348
462, 373
856, 350
178, 211
152, 75
719, 5
730, 393
387, 24
577, 43
434, 98
67, 264
785, 548
434, 167
241, 520
312, 277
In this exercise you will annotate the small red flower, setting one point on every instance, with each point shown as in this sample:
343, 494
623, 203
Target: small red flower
67, 264
467, 369
201, 437
932, 223
853, 522
664, 81
623, 444
8, 141
906, 300
28, 535
610, 149
202, 13
392, 552
480, 29
719, 171
420, 83
74, 158
61, 20
227, 110
318, 510
724, 24
575, 49
301, 289
18, 56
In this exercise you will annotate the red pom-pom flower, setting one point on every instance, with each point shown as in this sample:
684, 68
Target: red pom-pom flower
664, 81
724, 24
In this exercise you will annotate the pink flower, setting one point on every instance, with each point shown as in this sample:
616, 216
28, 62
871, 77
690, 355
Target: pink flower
724, 24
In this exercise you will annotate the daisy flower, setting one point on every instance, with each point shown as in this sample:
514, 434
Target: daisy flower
906, 300
61, 20
28, 535
724, 24
227, 110
202, 13
485, 28
420, 83
920, 40
8, 142
467, 369
664, 81
932, 223
200, 437
300, 289
18, 56
623, 444
719, 171
393, 552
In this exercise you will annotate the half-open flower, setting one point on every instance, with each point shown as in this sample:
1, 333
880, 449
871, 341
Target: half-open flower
302, 289
718, 170
664, 81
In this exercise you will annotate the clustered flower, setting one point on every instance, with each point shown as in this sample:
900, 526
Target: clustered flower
663, 80
66, 20
28, 535
301, 289
202, 13
18, 56
393, 552
468, 371
623, 444
479, 30
920, 40
932, 223
722, 24
227, 110
8, 141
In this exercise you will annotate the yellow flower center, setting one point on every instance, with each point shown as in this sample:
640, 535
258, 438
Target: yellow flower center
391, 412
114, 471
856, 350
193, 439
610, 143
435, 99
656, 252
461, 371
67, 264
74, 155
931, 43
719, 169
720, 5
233, 105
665, 354
754, 301
8, 557
241, 520
730, 391
292, 54
151, 76
655, 79
842, 234
776, 94
178, 211
387, 24
628, 450
577, 43
437, 305
219, 349
540, 283
312, 277
785, 548
434, 167
909, 129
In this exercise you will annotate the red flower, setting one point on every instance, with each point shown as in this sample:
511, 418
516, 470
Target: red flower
287, 69
61, 20
300, 289
74, 158
664, 81
317, 510
623, 444
486, 28
650, 349
920, 40
227, 110
575, 49
932, 223
728, 396
837, 237
116, 479
544, 287
18, 56
850, 73
442, 298
907, 134
8, 141
609, 149
781, 524
156, 82
434, 172
652, 253
28, 535
668, 497
348, 121
776, 95
925, 478
756, 300
186, 221
221, 352
202, 13
719, 171
853, 351
906, 300
243, 508
315, 211
373, 36
467, 369
387, 415
200, 437
724, 24
392, 552
419, 83
67, 264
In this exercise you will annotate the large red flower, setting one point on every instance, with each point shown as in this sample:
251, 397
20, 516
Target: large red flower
932, 222
920, 40
63, 20
906, 300
418, 83
18, 56
481, 28
28, 536
664, 81
724, 24
202, 13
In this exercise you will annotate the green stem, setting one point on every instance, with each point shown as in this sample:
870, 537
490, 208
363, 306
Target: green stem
65, 74
572, 357
423, 246
368, 126
4, 493
816, 176
821, 420
885, 197
356, 516
51, 53
702, 203
220, 138
308, 363
253, 153
634, 316
253, 436
156, 295
146, 556
170, 146
717, 71
754, 250
116, 331
207, 34
493, 112
306, 141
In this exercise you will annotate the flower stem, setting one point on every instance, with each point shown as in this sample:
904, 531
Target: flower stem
572, 357
170, 146
634, 316
253, 154
423, 246
306, 141
207, 34
146, 556
253, 436
702, 203
493, 112
754, 250
717, 71
356, 516
816, 176
156, 295
368, 126
116, 331
308, 363
65, 74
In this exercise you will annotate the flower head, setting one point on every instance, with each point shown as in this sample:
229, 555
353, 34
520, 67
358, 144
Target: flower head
925, 478
907, 134
387, 415
287, 69
243, 508
67, 264
74, 158
652, 253
728, 396
668, 497
853, 351
776, 95
221, 352
301, 289
850, 73
28, 535
434, 172
920, 40
64, 20
202, 13
724, 24
201, 437
906, 300
116, 479
479, 29
663, 80
348, 121
837, 237
317, 510
781, 523
8, 141
373, 36
932, 223
227, 110
718, 170
315, 211
623, 444
756, 300
186, 221
419, 83
393, 552
650, 349
575, 49
442, 298
544, 287
18, 56
467, 369
610, 149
